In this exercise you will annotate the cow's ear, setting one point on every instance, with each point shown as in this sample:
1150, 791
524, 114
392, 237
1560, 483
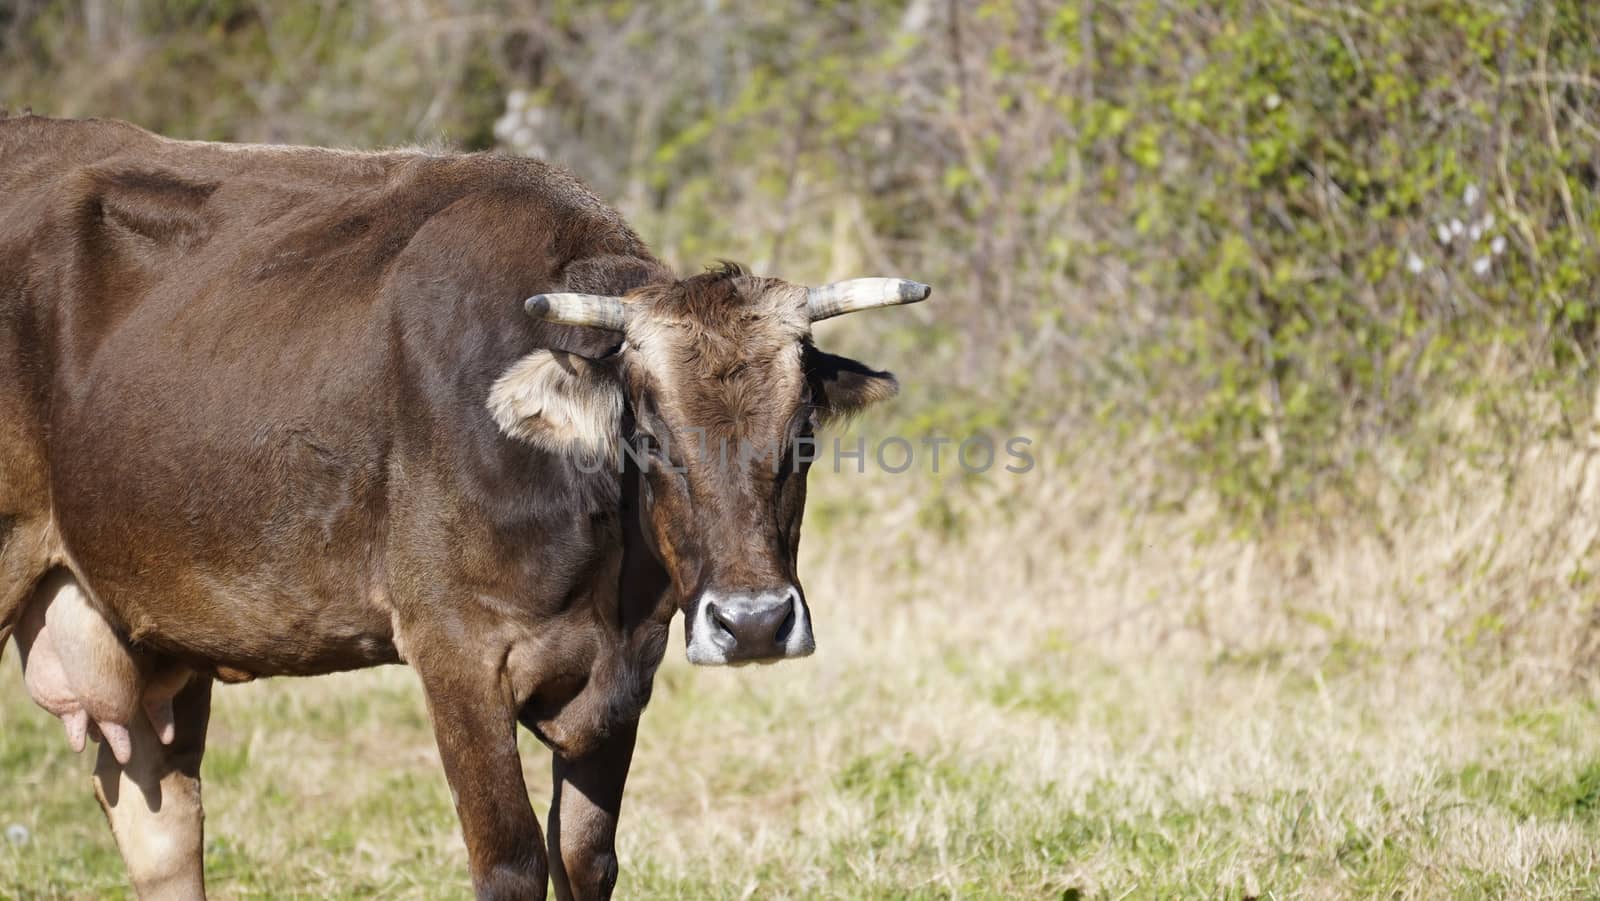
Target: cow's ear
560, 402
842, 387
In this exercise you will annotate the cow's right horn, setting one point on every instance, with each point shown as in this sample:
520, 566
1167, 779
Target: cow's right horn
839, 298
593, 310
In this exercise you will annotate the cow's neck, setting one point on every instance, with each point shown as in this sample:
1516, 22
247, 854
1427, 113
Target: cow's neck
631, 640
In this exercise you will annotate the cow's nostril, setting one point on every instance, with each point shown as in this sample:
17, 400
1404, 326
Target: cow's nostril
787, 626
718, 617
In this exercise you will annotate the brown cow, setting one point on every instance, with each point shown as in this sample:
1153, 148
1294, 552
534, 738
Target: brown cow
274, 411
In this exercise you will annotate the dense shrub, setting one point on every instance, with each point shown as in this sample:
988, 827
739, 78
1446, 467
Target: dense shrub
1257, 239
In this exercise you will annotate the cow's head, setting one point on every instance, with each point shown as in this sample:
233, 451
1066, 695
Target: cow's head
714, 393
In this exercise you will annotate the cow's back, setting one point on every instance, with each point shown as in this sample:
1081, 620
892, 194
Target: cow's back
219, 342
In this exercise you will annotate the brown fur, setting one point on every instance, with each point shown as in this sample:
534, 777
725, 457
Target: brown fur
265, 375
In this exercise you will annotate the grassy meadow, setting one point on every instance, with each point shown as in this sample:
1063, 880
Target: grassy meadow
1069, 703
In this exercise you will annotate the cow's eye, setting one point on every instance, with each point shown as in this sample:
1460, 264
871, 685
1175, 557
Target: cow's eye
652, 447
806, 421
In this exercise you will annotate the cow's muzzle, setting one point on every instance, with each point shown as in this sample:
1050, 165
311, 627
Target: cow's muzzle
749, 627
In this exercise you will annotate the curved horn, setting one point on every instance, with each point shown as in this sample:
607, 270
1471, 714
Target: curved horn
839, 298
593, 310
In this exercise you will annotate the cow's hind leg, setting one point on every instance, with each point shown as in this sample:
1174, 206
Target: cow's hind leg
27, 537
153, 801
24, 559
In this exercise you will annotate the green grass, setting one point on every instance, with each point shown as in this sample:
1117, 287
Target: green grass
1026, 715
850, 783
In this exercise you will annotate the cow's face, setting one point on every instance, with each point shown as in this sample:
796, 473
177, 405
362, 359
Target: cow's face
714, 397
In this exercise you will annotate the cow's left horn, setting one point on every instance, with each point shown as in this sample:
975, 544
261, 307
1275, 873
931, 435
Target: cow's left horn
593, 310
839, 298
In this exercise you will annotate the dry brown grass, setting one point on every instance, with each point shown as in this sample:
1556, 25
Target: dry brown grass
1058, 695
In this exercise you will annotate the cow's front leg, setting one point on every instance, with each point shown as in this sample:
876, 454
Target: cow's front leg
474, 722
583, 816
153, 801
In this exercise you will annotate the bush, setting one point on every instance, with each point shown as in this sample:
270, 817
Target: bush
1258, 240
